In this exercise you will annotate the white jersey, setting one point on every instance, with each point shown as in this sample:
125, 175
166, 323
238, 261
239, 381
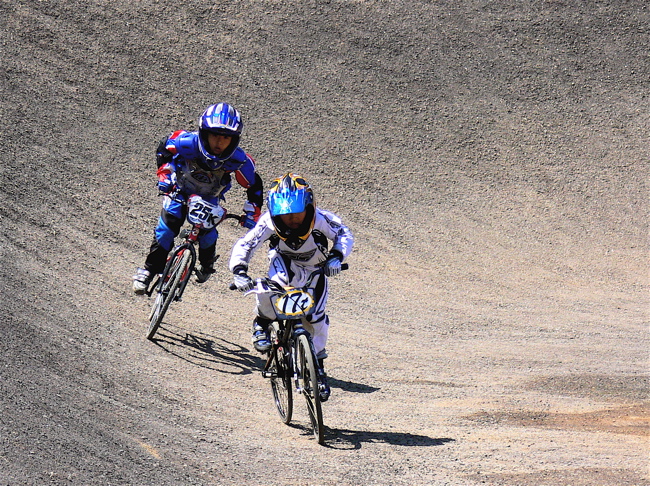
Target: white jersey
327, 226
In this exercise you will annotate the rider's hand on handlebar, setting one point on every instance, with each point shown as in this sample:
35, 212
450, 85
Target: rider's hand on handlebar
251, 216
332, 266
247, 222
166, 186
241, 280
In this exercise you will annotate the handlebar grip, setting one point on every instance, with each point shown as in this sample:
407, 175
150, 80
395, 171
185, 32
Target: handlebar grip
344, 266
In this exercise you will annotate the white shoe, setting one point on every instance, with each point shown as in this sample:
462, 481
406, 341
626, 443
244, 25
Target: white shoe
141, 281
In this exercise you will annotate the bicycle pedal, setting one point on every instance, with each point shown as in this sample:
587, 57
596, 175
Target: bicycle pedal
269, 374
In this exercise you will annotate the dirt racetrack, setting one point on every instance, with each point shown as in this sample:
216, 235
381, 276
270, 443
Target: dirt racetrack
491, 158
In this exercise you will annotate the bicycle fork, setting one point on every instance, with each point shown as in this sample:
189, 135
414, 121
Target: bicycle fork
275, 345
298, 329
187, 272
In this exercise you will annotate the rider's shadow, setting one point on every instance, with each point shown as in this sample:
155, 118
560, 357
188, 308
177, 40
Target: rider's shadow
206, 351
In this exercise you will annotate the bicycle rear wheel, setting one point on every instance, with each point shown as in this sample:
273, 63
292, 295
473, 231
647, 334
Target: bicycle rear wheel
281, 384
167, 290
309, 379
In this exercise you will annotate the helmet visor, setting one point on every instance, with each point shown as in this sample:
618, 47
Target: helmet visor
286, 202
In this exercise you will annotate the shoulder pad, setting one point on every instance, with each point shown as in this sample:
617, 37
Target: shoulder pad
187, 145
169, 143
236, 160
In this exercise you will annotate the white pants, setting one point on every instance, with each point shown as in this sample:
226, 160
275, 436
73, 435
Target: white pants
287, 272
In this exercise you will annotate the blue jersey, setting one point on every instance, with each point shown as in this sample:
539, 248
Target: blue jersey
186, 170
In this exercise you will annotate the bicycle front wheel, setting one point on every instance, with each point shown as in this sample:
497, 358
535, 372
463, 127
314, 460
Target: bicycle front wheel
167, 290
309, 382
281, 383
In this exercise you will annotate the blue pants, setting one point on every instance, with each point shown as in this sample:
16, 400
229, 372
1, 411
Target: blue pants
171, 220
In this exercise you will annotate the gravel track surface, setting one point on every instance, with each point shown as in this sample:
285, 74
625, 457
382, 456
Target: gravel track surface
491, 158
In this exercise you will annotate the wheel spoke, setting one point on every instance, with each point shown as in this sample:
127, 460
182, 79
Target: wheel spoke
281, 384
168, 290
310, 387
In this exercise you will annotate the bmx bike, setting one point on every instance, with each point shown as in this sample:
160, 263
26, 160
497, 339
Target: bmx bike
291, 364
181, 262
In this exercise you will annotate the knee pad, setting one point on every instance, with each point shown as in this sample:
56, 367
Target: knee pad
164, 235
209, 238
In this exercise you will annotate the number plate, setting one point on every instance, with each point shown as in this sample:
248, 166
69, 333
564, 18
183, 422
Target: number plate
294, 303
204, 213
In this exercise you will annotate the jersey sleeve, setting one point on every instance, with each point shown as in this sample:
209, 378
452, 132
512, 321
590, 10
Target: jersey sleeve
247, 245
165, 173
341, 236
248, 178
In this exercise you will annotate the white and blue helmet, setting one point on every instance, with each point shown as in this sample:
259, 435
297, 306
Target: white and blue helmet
221, 119
291, 194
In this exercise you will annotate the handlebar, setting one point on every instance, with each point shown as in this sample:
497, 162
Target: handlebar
238, 217
174, 196
318, 271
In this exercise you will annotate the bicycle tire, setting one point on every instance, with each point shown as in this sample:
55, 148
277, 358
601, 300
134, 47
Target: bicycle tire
281, 384
167, 291
309, 382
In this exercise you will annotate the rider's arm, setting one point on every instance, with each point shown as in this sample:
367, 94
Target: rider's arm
164, 158
248, 178
332, 227
166, 178
247, 245
167, 148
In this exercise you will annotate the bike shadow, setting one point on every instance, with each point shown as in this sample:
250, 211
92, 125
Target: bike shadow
351, 386
206, 351
354, 439
345, 439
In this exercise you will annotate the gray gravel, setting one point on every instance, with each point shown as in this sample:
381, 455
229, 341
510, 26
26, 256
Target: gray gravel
491, 160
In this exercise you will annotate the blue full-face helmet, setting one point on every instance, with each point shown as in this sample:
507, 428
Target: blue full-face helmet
291, 194
220, 119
